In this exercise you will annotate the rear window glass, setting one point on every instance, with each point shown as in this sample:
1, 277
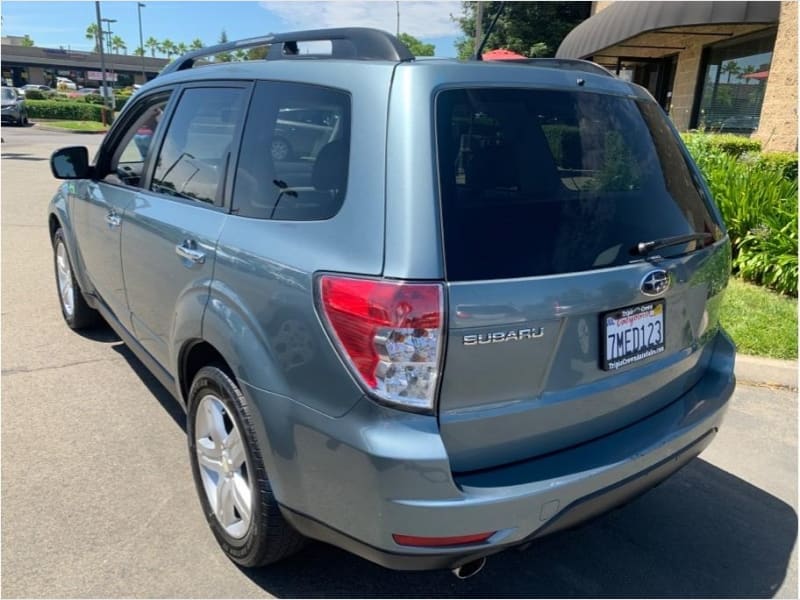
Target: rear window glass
538, 182
295, 153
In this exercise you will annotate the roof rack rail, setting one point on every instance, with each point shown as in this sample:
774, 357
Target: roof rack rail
348, 42
571, 64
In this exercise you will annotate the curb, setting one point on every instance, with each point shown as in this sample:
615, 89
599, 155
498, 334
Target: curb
755, 370
44, 127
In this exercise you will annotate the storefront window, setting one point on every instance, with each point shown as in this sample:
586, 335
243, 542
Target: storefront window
734, 82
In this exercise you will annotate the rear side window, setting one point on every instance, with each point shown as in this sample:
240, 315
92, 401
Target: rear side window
538, 182
295, 153
194, 155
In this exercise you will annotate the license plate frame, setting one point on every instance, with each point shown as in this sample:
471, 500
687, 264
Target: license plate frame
646, 315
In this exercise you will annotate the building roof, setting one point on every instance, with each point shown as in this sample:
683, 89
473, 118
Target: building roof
623, 20
58, 57
501, 54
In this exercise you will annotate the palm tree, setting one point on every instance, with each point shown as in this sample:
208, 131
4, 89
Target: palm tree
152, 45
731, 68
139, 51
747, 71
181, 48
93, 33
168, 47
197, 44
240, 55
117, 43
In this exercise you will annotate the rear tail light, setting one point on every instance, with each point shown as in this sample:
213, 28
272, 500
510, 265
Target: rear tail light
390, 333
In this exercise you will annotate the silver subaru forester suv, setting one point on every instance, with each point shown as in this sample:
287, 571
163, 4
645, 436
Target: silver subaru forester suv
422, 310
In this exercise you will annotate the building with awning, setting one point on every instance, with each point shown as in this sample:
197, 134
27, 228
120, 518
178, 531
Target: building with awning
22, 65
718, 66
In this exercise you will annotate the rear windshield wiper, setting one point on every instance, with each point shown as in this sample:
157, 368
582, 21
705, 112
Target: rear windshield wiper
646, 247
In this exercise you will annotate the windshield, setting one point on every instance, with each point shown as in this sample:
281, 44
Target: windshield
9, 94
537, 182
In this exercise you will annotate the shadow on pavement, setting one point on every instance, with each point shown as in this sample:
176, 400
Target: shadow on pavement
168, 403
702, 533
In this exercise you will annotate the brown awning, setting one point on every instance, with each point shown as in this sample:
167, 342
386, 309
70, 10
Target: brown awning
624, 20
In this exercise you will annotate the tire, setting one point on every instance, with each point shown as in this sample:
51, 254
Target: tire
232, 472
76, 312
281, 149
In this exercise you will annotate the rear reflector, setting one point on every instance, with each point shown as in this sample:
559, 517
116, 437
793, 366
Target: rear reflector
389, 332
436, 542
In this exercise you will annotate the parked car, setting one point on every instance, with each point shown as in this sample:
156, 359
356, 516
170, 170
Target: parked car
65, 84
13, 107
300, 133
37, 87
86, 91
485, 309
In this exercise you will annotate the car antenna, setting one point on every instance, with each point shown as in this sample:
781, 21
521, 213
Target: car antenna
479, 51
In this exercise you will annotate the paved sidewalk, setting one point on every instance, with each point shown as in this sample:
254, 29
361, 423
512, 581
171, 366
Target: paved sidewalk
766, 371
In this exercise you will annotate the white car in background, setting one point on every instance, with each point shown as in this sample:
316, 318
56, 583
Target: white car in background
63, 83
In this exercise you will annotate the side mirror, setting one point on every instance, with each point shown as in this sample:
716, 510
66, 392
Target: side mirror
70, 163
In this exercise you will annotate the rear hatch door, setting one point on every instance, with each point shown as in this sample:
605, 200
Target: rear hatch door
561, 328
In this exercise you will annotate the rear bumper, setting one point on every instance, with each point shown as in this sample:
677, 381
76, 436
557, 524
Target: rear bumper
356, 480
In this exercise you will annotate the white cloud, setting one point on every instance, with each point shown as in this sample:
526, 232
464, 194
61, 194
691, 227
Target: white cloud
423, 20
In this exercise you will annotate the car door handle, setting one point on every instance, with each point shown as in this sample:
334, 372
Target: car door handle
113, 219
188, 250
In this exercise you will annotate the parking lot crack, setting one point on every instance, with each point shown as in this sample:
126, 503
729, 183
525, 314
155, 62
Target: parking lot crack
19, 370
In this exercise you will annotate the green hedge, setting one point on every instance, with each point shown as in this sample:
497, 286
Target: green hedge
34, 95
728, 143
784, 163
66, 111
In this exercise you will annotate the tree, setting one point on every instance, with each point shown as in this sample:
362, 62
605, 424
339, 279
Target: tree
27, 42
93, 33
528, 28
731, 68
153, 45
168, 47
223, 56
139, 51
197, 44
417, 47
117, 44
181, 48
257, 53
240, 55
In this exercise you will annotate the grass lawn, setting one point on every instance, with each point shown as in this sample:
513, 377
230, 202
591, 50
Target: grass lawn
761, 322
75, 125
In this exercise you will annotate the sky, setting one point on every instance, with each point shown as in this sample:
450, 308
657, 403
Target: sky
56, 24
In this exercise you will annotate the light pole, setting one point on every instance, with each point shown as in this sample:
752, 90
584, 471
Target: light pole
108, 32
139, 7
398, 17
106, 95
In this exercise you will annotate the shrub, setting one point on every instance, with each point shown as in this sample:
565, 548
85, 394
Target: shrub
66, 111
728, 143
94, 99
120, 100
34, 95
784, 163
759, 206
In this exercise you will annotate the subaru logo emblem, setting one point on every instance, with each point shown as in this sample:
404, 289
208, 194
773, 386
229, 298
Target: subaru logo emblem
655, 283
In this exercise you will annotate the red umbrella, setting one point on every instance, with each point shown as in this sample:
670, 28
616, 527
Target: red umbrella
502, 54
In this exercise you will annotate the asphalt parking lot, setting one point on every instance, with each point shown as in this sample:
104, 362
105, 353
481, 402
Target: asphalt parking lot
98, 499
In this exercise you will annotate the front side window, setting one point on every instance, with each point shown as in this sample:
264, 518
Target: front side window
194, 155
734, 82
295, 153
537, 182
127, 163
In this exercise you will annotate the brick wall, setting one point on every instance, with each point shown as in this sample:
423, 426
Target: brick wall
778, 124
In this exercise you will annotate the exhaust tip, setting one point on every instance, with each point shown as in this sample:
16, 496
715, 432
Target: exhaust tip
469, 569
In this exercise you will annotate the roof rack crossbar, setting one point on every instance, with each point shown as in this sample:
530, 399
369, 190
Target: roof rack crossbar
348, 42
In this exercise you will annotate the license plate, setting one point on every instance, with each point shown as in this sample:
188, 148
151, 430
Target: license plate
633, 334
